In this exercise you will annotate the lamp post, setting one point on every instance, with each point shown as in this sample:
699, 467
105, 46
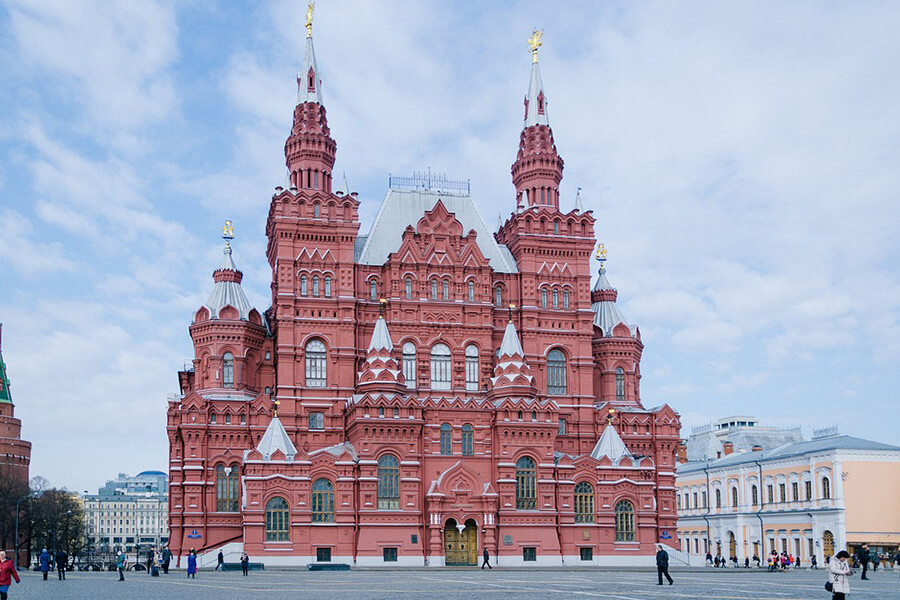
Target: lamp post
17, 526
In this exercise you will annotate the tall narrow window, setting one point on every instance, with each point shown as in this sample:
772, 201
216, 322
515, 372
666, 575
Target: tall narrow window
468, 441
754, 494
446, 439
555, 227
526, 484
328, 287
228, 370
555, 298
584, 503
624, 521
322, 501
388, 483
472, 367
316, 364
807, 487
471, 287
277, 520
445, 290
556, 372
620, 383
409, 288
543, 298
227, 488
734, 497
718, 498
315, 286
826, 488
498, 296
440, 367
304, 286
409, 364
566, 299
373, 290
316, 180
434, 289
316, 209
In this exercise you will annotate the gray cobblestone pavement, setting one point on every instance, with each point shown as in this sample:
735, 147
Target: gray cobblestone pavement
455, 584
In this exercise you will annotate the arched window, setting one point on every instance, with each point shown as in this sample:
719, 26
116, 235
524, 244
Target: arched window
555, 227
373, 290
316, 367
620, 383
316, 210
212, 418
472, 367
556, 372
227, 487
445, 290
555, 297
440, 367
409, 364
498, 296
718, 498
315, 285
228, 370
322, 501
303, 285
471, 287
409, 288
543, 298
584, 503
446, 439
434, 289
566, 299
468, 441
328, 287
388, 483
826, 488
526, 484
624, 521
277, 520
734, 497
754, 493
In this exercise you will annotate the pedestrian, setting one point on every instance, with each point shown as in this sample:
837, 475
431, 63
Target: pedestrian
245, 563
662, 564
756, 560
120, 565
839, 575
220, 561
487, 557
862, 555
154, 563
61, 560
192, 564
813, 563
746, 562
166, 559
7, 574
44, 561
875, 558
709, 559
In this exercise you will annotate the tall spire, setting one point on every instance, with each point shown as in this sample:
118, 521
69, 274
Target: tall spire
380, 371
309, 84
5, 394
512, 375
538, 167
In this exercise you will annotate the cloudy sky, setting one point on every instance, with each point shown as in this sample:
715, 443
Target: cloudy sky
741, 160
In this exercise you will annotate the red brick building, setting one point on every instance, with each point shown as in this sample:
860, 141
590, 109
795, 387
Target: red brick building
422, 392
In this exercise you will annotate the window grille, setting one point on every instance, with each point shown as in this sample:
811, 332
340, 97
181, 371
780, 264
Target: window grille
408, 288
543, 298
409, 364
468, 442
471, 287
304, 287
498, 296
445, 290
315, 286
228, 370
446, 439
434, 289
440, 367
472, 368
620, 383
317, 420
322, 501
316, 364
584, 503
227, 488
624, 521
373, 291
388, 483
556, 372
526, 484
328, 287
277, 520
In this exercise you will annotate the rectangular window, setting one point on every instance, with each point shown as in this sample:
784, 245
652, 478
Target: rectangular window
562, 427
770, 494
782, 492
440, 372
695, 500
704, 499
316, 420
529, 554
795, 491
472, 373
586, 553
323, 554
409, 366
808, 489
389, 554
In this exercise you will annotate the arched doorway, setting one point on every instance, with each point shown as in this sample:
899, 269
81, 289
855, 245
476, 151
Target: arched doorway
732, 545
460, 543
828, 544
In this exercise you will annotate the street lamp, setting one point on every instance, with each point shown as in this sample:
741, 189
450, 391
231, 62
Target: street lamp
29, 495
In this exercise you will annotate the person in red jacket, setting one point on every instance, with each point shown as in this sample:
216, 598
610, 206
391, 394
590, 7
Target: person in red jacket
7, 574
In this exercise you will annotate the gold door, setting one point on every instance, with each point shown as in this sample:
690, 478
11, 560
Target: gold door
828, 543
460, 548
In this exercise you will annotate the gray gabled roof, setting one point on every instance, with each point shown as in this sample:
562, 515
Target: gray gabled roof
404, 208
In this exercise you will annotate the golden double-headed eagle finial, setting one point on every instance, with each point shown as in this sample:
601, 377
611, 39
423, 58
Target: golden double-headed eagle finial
601, 252
228, 230
309, 18
275, 404
534, 42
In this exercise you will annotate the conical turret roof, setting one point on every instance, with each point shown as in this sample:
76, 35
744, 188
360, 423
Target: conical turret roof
512, 374
606, 312
227, 289
276, 438
611, 446
380, 371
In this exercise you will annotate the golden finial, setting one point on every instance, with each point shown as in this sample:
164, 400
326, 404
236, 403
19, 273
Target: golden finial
601, 252
309, 18
512, 307
534, 42
228, 231
275, 404
382, 304
610, 415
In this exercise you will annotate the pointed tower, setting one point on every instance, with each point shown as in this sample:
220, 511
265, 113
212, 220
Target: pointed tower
611, 446
617, 345
276, 439
380, 371
538, 167
512, 375
15, 453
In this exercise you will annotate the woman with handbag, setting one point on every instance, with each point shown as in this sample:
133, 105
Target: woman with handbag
839, 576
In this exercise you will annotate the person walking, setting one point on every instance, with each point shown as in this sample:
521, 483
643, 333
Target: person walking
709, 559
662, 564
220, 561
813, 563
166, 559
120, 565
192, 564
150, 559
44, 561
245, 563
862, 555
487, 558
7, 574
839, 575
61, 560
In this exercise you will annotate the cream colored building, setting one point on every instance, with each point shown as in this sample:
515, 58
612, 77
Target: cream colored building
806, 498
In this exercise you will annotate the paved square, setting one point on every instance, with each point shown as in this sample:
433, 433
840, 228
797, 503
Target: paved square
461, 584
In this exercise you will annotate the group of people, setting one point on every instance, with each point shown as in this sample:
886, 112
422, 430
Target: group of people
785, 561
156, 559
46, 563
245, 562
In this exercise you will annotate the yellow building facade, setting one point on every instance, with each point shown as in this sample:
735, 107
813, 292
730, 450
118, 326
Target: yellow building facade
809, 498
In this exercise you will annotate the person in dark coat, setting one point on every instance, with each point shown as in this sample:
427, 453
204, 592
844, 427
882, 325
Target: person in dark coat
44, 561
150, 559
121, 561
166, 559
61, 559
192, 564
662, 565
813, 563
862, 555
487, 558
245, 563
220, 561
7, 574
